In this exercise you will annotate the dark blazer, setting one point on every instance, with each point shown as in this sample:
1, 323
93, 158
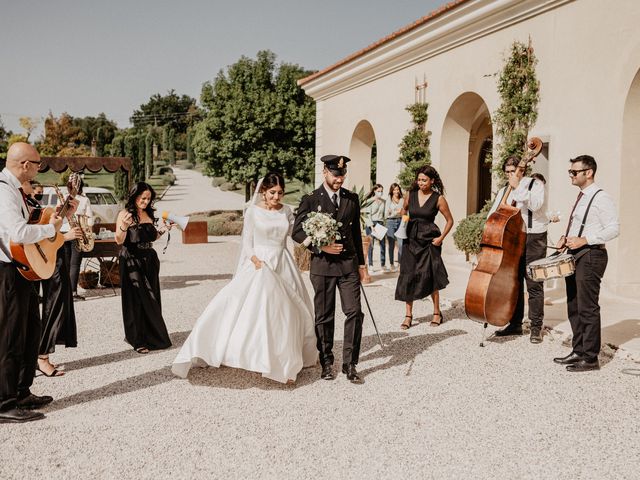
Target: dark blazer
349, 215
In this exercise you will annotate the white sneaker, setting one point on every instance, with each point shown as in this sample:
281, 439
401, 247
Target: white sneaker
386, 269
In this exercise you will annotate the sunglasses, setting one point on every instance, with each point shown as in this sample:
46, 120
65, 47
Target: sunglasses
37, 162
574, 173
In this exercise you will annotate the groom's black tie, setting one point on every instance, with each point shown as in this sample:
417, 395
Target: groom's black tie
334, 199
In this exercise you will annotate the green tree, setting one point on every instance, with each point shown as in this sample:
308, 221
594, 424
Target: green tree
131, 151
171, 148
99, 142
178, 112
148, 154
120, 181
190, 155
62, 137
141, 159
256, 119
519, 91
90, 126
415, 146
4, 143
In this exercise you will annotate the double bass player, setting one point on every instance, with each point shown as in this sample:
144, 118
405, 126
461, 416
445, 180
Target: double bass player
527, 194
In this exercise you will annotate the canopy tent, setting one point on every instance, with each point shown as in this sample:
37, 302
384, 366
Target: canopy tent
93, 164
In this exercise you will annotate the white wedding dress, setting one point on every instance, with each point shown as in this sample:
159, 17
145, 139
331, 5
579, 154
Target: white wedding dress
262, 320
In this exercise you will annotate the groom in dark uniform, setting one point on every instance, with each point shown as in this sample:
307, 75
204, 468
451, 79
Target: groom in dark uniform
339, 265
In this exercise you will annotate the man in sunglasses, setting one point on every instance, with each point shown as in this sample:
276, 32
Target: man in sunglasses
528, 196
19, 317
593, 222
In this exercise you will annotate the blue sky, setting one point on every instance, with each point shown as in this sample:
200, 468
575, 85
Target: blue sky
86, 57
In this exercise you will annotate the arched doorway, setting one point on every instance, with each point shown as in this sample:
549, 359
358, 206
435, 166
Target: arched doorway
360, 153
628, 258
465, 147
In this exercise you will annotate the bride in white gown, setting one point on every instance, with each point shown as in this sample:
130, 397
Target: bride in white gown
262, 320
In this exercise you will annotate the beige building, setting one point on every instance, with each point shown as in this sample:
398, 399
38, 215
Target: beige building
589, 69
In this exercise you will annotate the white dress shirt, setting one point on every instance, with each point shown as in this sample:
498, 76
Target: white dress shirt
13, 221
527, 200
602, 221
331, 193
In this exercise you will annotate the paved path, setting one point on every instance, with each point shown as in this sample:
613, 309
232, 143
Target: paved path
193, 192
434, 404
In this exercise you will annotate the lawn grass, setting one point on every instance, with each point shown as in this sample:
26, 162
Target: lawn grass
102, 179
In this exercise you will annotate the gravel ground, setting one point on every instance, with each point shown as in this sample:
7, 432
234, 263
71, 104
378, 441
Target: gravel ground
434, 404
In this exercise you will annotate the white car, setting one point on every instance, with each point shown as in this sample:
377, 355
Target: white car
103, 204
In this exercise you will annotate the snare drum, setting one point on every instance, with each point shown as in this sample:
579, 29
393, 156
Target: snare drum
554, 266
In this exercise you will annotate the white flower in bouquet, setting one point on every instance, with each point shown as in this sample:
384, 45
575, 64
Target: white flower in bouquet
322, 229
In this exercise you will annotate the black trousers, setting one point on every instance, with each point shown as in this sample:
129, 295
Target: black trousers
583, 307
535, 249
324, 303
19, 335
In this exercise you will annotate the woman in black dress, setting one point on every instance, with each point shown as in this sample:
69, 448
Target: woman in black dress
422, 271
136, 231
58, 313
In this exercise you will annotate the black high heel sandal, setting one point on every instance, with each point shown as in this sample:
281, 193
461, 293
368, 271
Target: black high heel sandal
404, 325
433, 321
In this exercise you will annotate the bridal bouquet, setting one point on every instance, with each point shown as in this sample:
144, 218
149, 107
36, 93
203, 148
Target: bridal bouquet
321, 230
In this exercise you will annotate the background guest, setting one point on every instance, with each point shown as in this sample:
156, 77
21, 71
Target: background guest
393, 214
422, 271
136, 231
375, 216
58, 312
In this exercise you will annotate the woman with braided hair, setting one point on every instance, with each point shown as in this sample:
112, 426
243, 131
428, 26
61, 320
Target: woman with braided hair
422, 271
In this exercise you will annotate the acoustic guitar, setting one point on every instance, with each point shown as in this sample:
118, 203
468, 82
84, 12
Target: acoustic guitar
37, 261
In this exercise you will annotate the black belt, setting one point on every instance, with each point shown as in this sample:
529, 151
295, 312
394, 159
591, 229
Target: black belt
588, 247
143, 245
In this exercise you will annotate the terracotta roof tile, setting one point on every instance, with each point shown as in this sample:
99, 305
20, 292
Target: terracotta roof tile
421, 21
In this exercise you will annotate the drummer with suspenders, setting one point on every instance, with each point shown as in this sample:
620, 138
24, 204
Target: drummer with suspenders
593, 222
528, 196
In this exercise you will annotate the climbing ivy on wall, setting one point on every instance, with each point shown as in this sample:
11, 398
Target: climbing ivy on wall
414, 148
519, 91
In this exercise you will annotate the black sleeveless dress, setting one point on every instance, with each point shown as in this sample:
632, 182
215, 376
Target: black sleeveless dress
140, 288
421, 268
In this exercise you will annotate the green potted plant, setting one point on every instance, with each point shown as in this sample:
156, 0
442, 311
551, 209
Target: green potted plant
468, 234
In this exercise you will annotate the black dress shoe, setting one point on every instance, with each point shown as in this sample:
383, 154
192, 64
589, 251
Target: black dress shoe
16, 415
509, 330
584, 366
327, 372
32, 401
569, 359
536, 335
352, 373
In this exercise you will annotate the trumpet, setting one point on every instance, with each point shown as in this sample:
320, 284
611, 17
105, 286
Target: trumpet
86, 242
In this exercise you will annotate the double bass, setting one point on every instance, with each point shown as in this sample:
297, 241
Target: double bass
492, 291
